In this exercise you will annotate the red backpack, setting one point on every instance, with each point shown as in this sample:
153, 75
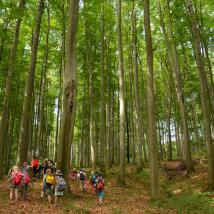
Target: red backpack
26, 178
100, 184
17, 178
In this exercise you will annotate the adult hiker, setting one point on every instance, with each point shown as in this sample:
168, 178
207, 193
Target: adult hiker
34, 164
81, 177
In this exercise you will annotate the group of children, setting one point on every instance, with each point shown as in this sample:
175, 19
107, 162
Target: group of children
38, 167
96, 181
52, 183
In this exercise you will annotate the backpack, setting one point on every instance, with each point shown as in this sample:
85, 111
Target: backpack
82, 176
50, 179
61, 184
26, 178
17, 178
100, 184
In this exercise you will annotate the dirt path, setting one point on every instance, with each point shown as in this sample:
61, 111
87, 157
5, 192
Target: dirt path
117, 200
179, 195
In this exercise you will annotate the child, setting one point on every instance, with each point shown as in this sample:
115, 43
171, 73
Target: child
74, 174
25, 180
15, 180
100, 187
93, 179
47, 184
60, 185
81, 177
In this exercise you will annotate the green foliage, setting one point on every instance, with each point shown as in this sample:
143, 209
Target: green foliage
187, 202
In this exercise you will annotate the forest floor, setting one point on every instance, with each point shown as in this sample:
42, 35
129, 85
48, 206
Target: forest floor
179, 195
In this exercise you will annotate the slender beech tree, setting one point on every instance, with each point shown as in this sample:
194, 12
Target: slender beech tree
6, 103
121, 96
61, 70
91, 95
26, 110
103, 113
203, 90
43, 87
69, 92
136, 93
152, 133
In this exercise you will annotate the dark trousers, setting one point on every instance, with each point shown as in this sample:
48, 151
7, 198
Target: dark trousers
34, 171
24, 191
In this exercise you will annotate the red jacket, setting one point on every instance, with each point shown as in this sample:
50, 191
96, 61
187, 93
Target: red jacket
34, 163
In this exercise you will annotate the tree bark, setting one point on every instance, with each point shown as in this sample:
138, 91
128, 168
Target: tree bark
152, 133
169, 127
92, 143
103, 140
203, 91
69, 92
121, 96
43, 87
136, 94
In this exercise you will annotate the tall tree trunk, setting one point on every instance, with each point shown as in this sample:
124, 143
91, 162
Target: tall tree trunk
92, 143
43, 87
160, 141
102, 92
3, 38
23, 133
136, 94
127, 131
69, 92
178, 142
113, 126
82, 140
121, 96
90, 148
152, 133
203, 91
195, 127
6, 103
61, 71
169, 127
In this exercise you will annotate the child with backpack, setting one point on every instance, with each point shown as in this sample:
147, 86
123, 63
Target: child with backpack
25, 180
60, 185
15, 181
81, 177
47, 184
93, 179
100, 187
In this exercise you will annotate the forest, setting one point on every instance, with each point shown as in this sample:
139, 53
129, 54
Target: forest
123, 88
